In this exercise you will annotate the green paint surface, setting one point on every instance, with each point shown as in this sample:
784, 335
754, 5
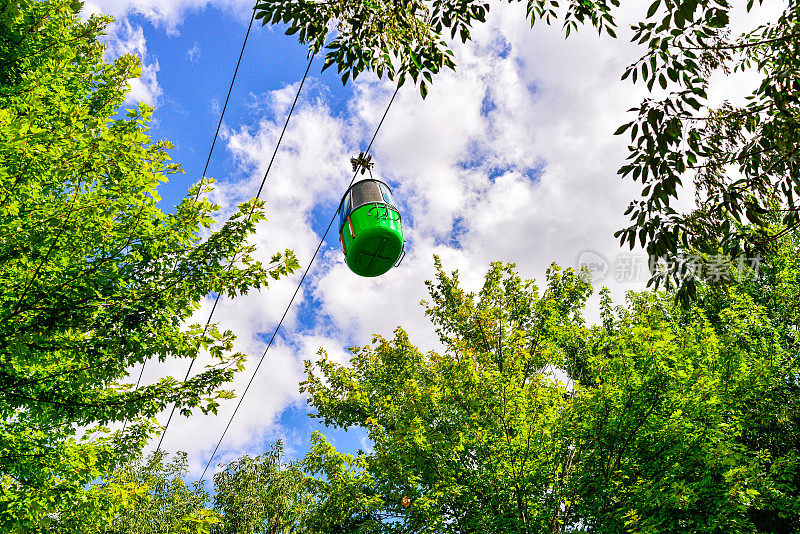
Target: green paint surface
378, 240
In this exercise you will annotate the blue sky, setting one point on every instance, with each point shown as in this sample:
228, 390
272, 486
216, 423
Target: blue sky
196, 63
510, 158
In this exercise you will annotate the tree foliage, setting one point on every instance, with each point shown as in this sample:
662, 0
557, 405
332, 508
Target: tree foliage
260, 495
96, 278
459, 434
659, 419
407, 38
252, 495
164, 501
686, 420
740, 159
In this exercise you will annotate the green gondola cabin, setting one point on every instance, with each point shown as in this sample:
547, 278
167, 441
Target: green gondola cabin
370, 229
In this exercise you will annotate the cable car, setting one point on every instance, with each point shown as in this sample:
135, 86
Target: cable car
370, 228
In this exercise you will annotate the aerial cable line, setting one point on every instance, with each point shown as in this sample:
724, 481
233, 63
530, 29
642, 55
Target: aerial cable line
227, 98
249, 214
210, 151
297, 289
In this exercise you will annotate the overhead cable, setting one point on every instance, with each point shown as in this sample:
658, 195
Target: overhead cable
208, 159
249, 214
297, 289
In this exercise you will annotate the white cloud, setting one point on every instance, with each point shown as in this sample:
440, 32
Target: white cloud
486, 168
510, 158
167, 14
124, 38
309, 169
193, 54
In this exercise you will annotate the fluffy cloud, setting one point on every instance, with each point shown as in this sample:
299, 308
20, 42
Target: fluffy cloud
308, 170
167, 14
510, 158
121, 38
193, 54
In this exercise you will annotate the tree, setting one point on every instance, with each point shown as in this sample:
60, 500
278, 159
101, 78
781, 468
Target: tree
252, 495
741, 160
469, 437
165, 502
260, 495
96, 278
686, 419
660, 419
406, 38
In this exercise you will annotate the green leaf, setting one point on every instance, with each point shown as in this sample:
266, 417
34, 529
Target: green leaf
622, 128
653, 8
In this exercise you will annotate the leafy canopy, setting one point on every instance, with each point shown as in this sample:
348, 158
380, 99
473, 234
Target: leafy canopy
661, 419
465, 436
740, 160
165, 502
260, 494
407, 38
96, 278
252, 495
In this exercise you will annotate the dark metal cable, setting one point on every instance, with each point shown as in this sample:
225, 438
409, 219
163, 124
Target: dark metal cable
211, 151
250, 213
227, 98
291, 301
138, 381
